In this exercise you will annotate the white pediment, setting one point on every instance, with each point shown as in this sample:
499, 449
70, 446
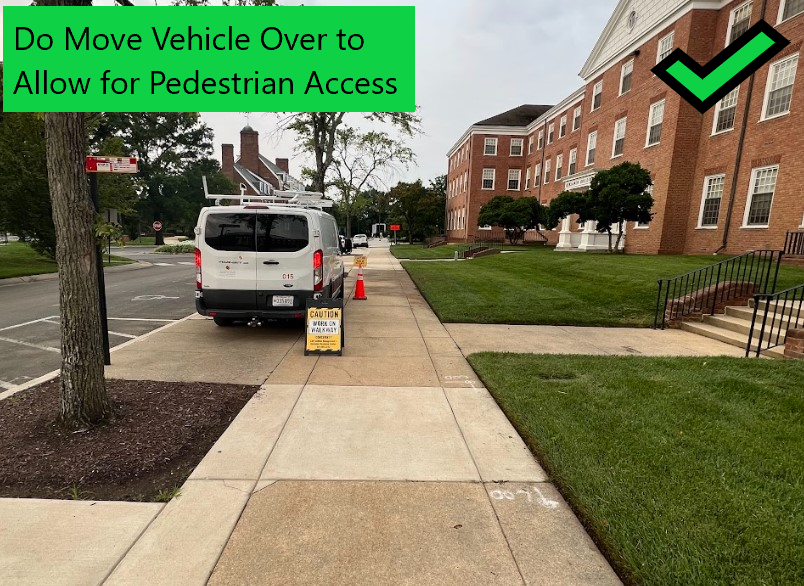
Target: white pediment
633, 23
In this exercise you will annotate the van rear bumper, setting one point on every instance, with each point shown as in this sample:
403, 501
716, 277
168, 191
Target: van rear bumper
230, 304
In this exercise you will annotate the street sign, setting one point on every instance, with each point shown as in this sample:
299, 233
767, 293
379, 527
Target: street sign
111, 164
395, 228
157, 226
361, 262
324, 327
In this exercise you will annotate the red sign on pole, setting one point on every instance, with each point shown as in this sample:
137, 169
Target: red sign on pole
157, 226
111, 164
395, 228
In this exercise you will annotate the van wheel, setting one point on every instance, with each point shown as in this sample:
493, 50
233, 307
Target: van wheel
223, 321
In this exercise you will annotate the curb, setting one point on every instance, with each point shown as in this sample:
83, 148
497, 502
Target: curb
136, 265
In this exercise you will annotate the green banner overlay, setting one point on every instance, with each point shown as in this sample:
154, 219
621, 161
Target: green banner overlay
212, 59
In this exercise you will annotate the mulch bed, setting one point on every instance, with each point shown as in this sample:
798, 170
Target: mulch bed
161, 433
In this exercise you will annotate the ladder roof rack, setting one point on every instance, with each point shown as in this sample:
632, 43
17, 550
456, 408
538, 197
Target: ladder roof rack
292, 198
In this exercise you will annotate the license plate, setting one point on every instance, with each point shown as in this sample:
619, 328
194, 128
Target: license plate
283, 300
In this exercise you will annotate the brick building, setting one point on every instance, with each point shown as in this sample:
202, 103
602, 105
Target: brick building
727, 180
253, 170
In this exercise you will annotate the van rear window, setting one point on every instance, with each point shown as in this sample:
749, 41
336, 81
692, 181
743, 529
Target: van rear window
230, 232
281, 233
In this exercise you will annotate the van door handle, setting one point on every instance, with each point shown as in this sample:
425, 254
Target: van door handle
271, 262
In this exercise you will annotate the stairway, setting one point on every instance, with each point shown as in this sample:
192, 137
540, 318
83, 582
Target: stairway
734, 326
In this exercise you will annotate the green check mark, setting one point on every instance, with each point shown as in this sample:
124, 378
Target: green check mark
734, 65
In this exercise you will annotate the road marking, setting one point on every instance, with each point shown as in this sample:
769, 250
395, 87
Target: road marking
190, 264
129, 336
27, 323
5, 385
37, 346
153, 298
142, 319
162, 264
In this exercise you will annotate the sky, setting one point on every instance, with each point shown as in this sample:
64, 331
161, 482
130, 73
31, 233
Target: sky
474, 59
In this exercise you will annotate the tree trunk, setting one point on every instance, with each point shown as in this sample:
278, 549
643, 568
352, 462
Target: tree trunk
619, 237
83, 398
609, 233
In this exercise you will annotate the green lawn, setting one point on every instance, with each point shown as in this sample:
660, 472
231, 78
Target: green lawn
686, 471
142, 241
419, 252
542, 286
20, 260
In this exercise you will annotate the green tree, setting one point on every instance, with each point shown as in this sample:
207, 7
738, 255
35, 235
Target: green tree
417, 208
438, 190
564, 204
515, 216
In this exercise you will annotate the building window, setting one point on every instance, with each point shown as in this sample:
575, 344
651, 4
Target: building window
626, 77
551, 131
665, 47
513, 179
739, 21
573, 161
547, 165
791, 8
576, 119
710, 204
655, 119
488, 179
537, 175
644, 225
597, 95
516, 147
591, 148
559, 165
619, 137
541, 140
779, 89
760, 197
530, 145
491, 147
527, 178
562, 128
726, 111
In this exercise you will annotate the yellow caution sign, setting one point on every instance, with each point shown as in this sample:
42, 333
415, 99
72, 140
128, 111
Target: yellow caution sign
361, 262
324, 327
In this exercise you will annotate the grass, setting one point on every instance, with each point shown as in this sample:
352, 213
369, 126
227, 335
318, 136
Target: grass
142, 241
419, 252
542, 286
686, 471
20, 260
167, 495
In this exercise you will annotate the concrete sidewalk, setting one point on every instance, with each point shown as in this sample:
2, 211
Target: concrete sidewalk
389, 465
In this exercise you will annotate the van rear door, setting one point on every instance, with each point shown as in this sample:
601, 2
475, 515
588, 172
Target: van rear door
229, 260
285, 246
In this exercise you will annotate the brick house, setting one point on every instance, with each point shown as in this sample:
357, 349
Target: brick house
727, 180
253, 170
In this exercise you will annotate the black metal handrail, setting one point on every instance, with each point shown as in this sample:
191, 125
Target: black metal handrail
794, 243
701, 291
787, 308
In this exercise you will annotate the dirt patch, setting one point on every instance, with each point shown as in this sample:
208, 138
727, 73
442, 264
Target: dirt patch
161, 433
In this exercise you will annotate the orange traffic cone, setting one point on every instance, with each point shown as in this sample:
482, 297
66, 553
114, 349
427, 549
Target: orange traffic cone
360, 290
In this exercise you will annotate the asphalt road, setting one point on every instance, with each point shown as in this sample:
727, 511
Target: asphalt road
139, 301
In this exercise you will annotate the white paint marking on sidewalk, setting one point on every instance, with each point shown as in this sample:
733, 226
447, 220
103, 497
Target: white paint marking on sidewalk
143, 319
5, 385
129, 336
28, 323
37, 346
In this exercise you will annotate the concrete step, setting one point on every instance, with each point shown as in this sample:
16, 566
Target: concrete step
715, 332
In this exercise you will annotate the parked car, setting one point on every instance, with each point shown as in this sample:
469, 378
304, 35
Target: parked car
257, 262
360, 240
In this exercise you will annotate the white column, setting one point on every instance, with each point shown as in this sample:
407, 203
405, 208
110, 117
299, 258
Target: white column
565, 236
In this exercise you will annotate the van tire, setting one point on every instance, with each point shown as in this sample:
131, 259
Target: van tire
223, 321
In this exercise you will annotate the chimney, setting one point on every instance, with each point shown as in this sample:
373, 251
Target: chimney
250, 149
227, 161
284, 165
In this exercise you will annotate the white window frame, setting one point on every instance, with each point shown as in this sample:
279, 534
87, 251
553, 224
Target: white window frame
668, 39
530, 145
627, 65
486, 144
484, 179
576, 117
719, 108
597, 90
781, 19
652, 123
624, 120
573, 160
769, 83
750, 199
527, 178
551, 132
732, 17
547, 168
559, 165
562, 127
540, 144
521, 143
589, 147
518, 180
706, 184
537, 175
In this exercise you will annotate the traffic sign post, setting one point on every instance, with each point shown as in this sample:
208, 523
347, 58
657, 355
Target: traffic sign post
395, 228
157, 226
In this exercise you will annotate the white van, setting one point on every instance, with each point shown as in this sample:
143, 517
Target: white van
261, 261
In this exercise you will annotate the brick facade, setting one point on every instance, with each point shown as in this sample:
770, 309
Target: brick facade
688, 155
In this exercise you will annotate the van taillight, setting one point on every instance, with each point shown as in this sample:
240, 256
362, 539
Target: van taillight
318, 270
197, 269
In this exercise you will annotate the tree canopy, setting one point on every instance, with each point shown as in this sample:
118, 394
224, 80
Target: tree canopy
515, 216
